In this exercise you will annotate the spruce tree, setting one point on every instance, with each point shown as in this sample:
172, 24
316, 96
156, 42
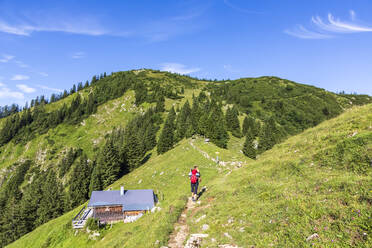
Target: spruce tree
160, 104
110, 162
232, 121
248, 148
79, 182
29, 204
134, 149
269, 136
166, 139
150, 137
217, 130
51, 204
181, 122
96, 179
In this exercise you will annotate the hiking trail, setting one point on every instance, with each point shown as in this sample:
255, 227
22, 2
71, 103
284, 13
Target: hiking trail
181, 229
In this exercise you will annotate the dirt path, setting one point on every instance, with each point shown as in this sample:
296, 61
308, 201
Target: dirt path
181, 229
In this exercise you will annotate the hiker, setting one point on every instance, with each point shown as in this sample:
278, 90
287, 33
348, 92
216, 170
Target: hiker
194, 179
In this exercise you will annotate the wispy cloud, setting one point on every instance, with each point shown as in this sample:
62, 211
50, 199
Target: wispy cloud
44, 74
301, 32
49, 88
5, 92
178, 68
25, 88
19, 77
240, 9
323, 28
78, 55
338, 26
230, 68
6, 58
25, 25
21, 64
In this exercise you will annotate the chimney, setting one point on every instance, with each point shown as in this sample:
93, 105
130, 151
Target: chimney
122, 190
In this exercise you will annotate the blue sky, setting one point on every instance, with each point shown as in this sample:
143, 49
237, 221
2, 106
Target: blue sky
46, 46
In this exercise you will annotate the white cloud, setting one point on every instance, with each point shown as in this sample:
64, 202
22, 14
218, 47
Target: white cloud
78, 55
338, 26
239, 9
19, 77
21, 64
230, 68
49, 88
49, 22
178, 68
7, 93
44, 74
6, 58
352, 14
301, 32
327, 28
25, 88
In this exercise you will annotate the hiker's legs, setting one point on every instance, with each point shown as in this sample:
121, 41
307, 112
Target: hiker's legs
196, 190
193, 190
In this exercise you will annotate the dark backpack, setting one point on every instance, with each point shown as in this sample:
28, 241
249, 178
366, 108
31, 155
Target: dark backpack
193, 178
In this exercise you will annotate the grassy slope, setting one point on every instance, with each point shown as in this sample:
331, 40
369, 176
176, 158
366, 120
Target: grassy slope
285, 196
166, 174
279, 200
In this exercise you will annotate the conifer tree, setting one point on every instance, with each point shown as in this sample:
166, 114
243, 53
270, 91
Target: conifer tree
134, 148
160, 104
181, 122
96, 179
51, 204
110, 163
232, 121
79, 182
9, 222
269, 136
150, 137
29, 204
250, 126
248, 148
217, 131
166, 139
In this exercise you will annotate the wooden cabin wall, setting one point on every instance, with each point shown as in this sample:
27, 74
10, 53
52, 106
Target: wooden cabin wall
111, 209
131, 213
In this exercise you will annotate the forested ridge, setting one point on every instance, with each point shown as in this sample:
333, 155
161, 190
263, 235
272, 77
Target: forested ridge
262, 111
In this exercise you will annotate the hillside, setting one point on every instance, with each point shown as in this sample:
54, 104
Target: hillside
280, 199
118, 127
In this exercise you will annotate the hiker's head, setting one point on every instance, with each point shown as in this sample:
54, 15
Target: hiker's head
195, 167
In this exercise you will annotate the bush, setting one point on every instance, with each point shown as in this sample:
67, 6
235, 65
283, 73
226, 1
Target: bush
92, 224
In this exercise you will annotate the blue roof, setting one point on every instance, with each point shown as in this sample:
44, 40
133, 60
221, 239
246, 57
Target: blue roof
139, 199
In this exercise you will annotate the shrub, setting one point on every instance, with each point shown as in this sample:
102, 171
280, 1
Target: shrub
92, 224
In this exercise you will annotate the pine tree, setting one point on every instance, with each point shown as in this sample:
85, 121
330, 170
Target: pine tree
110, 162
96, 179
166, 139
79, 182
248, 148
9, 223
232, 121
250, 126
150, 137
29, 204
181, 122
217, 131
134, 149
160, 104
269, 136
51, 204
